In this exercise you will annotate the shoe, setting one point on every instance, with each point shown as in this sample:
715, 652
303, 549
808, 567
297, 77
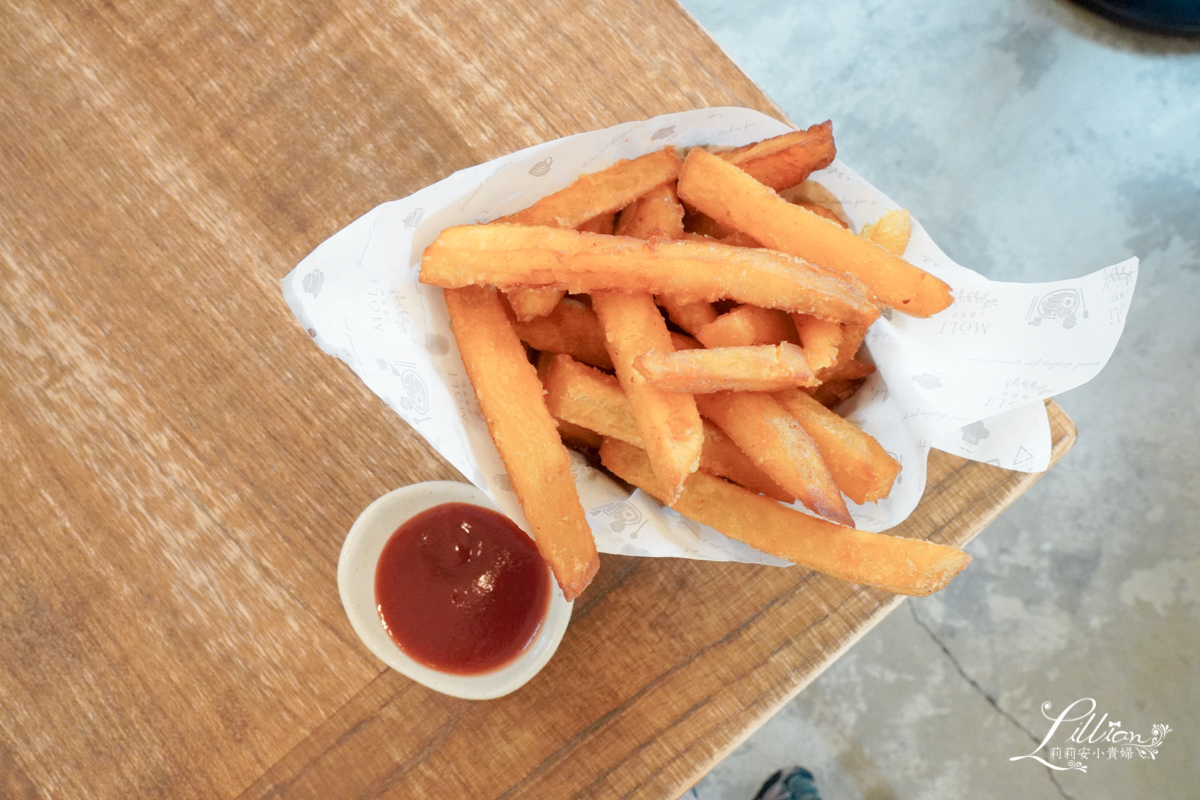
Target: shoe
789, 784
1178, 17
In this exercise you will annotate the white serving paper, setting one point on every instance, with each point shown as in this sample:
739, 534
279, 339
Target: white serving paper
970, 380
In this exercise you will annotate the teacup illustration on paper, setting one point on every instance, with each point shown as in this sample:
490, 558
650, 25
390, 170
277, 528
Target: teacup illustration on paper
975, 432
623, 515
1061, 304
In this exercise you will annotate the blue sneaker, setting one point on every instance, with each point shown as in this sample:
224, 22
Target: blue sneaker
796, 783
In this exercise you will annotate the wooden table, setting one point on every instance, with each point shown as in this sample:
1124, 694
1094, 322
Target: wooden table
179, 464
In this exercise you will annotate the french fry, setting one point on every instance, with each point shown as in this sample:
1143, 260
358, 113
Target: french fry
572, 435
533, 302
510, 397
861, 468
776, 443
589, 398
668, 422
822, 211
732, 198
723, 458
786, 160
594, 401
605, 223
684, 342
891, 231
748, 325
831, 393
513, 255
739, 239
820, 339
657, 213
892, 563
571, 328
578, 437
704, 225
850, 370
538, 301
691, 315
589, 205
852, 339
604, 192
761, 368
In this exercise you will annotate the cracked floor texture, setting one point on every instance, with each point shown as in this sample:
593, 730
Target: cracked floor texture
1035, 143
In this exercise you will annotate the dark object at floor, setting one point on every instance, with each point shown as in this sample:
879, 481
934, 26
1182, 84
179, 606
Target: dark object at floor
1178, 17
789, 784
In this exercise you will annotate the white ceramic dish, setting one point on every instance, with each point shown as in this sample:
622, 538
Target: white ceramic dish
356, 585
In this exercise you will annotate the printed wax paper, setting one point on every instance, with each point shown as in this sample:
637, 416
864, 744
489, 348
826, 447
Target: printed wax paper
969, 380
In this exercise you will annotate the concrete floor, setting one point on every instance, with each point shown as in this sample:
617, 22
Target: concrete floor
1035, 143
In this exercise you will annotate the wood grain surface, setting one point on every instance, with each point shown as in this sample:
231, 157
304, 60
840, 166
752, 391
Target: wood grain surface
179, 464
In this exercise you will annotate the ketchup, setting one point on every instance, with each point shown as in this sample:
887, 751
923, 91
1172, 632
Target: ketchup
461, 589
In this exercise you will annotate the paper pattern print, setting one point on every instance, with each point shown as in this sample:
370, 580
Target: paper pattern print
969, 380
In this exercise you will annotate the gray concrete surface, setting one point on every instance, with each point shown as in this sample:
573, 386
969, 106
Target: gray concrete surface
1034, 143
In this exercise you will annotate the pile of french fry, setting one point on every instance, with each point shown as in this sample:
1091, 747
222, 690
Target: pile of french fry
693, 327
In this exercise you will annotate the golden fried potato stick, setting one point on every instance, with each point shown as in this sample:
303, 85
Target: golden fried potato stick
514, 255
657, 213
589, 398
834, 392
691, 315
757, 368
739, 239
732, 198
704, 225
785, 161
572, 435
571, 328
861, 468
539, 301
533, 302
852, 339
685, 342
748, 325
604, 192
589, 204
605, 223
668, 422
594, 400
723, 458
820, 339
891, 231
822, 211
892, 563
718, 233
510, 397
850, 370
776, 443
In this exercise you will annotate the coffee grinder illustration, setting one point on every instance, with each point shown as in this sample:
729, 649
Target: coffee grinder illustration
1060, 304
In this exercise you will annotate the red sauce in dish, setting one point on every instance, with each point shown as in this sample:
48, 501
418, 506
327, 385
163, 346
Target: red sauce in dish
461, 589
